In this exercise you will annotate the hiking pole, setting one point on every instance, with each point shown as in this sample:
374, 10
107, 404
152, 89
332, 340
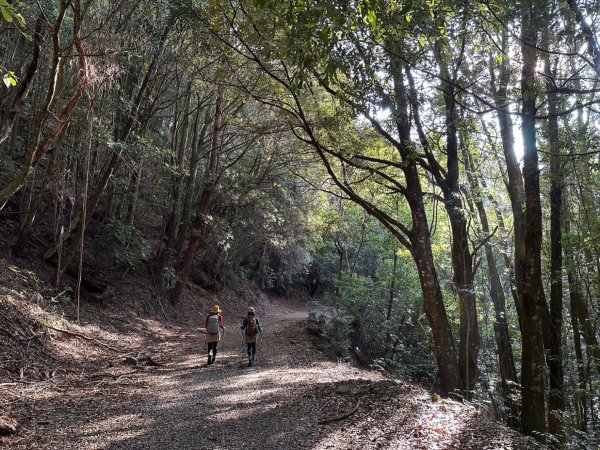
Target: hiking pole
259, 339
243, 348
222, 340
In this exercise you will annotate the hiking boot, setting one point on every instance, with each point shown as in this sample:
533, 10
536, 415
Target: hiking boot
210, 361
250, 363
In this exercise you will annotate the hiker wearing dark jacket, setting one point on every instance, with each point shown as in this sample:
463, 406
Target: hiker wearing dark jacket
215, 326
251, 326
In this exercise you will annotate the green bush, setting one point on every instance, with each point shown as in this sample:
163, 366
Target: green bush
332, 326
120, 243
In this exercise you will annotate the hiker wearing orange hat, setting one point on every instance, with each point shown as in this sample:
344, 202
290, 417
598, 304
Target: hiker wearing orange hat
251, 326
215, 327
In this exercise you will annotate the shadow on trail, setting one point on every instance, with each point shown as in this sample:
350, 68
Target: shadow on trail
255, 409
277, 404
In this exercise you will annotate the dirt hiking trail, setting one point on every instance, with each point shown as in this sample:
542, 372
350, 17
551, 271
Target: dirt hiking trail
292, 398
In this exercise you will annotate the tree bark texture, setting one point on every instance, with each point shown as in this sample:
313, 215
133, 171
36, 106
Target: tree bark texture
556, 395
533, 416
462, 259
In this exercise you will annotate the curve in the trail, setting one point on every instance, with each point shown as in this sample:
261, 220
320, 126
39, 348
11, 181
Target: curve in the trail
229, 405
276, 404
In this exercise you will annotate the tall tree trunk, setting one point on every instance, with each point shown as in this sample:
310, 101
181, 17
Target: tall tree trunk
576, 297
433, 301
180, 141
556, 396
506, 362
462, 259
191, 189
29, 219
515, 178
38, 145
178, 183
201, 222
392, 291
9, 116
507, 254
533, 417
390, 305
417, 240
588, 207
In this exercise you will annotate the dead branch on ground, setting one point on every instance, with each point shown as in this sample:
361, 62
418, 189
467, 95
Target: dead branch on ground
8, 425
87, 338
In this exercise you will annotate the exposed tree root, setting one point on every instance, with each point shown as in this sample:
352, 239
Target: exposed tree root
341, 416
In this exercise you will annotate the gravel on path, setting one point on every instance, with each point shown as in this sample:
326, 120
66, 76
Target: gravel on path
277, 404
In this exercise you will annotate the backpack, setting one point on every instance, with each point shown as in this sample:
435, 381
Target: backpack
251, 326
213, 324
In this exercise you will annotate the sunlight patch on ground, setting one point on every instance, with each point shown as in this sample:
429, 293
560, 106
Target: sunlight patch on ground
320, 372
254, 396
426, 424
113, 430
244, 410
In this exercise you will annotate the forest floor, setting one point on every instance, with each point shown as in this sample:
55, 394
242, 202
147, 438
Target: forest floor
126, 380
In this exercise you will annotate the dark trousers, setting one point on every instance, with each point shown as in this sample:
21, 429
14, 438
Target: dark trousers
251, 349
212, 346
